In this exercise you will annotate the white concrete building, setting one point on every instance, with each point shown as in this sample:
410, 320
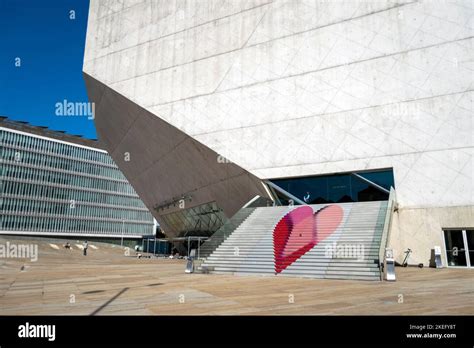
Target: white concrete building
291, 89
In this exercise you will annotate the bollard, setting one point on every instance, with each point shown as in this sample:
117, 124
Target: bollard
437, 257
190, 263
389, 265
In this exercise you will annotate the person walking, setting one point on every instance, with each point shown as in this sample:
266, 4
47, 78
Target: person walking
84, 247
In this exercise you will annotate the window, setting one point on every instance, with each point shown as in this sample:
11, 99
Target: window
338, 188
459, 247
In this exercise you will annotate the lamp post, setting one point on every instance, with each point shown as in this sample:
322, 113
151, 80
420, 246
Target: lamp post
123, 229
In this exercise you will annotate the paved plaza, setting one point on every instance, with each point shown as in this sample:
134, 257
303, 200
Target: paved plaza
64, 282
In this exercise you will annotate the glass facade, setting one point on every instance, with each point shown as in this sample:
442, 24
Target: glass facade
59, 188
338, 188
459, 247
202, 220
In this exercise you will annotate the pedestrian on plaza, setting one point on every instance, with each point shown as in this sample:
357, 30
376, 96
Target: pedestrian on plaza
84, 247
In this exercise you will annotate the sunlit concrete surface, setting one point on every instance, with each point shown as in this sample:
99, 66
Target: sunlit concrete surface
291, 89
105, 282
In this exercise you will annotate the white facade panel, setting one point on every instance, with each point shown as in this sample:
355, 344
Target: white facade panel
293, 88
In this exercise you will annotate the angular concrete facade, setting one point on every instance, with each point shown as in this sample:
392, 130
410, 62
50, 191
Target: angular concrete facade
169, 169
295, 88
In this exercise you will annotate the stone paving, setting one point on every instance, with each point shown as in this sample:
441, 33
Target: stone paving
64, 282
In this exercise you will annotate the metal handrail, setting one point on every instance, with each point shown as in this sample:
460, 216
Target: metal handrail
224, 232
371, 183
392, 202
286, 193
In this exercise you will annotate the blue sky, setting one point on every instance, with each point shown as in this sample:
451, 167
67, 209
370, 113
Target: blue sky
51, 48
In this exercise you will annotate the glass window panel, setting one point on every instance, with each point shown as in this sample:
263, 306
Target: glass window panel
455, 248
336, 188
470, 245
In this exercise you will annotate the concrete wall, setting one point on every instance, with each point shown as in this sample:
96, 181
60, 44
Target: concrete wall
421, 229
290, 88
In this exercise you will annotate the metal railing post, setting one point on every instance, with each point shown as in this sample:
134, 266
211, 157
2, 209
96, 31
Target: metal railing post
386, 228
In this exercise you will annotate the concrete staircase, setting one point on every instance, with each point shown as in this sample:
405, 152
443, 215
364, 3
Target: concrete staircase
225, 231
345, 249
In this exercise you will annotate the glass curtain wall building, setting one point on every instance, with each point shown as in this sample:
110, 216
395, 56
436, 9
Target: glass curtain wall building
54, 184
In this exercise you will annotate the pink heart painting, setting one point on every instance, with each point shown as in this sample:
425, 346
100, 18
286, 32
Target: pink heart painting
300, 230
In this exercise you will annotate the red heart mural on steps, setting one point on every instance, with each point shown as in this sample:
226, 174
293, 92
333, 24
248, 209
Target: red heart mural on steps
300, 230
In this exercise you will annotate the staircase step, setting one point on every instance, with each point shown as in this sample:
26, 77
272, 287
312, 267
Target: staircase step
361, 226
